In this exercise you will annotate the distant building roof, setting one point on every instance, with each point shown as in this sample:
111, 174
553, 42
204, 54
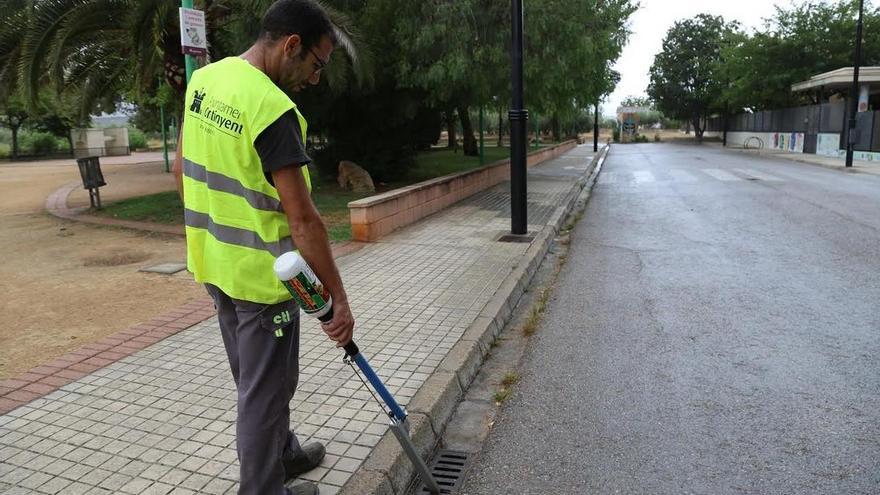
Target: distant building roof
840, 79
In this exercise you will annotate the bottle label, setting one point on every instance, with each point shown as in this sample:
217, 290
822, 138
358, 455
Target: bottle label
309, 296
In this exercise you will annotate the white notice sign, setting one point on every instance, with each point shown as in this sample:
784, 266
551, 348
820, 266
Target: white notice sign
863, 98
192, 32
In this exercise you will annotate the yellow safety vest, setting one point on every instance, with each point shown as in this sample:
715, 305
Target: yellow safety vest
235, 225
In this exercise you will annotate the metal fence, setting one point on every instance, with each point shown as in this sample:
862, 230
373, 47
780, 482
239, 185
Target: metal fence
809, 120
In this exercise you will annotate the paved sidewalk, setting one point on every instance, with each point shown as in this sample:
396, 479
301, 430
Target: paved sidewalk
859, 166
161, 420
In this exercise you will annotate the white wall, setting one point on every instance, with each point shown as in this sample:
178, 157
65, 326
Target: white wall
99, 142
116, 140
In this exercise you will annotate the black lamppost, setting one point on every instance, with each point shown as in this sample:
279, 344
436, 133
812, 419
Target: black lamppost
596, 127
854, 104
518, 119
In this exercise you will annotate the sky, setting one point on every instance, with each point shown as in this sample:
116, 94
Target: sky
649, 25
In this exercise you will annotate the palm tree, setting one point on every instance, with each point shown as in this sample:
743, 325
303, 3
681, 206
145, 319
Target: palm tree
98, 48
115, 49
12, 112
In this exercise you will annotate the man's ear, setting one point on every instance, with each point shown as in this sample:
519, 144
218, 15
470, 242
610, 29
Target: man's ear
293, 45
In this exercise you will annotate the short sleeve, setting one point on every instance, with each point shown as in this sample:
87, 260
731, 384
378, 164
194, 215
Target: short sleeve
280, 144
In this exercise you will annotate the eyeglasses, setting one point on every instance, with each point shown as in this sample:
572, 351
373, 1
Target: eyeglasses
319, 64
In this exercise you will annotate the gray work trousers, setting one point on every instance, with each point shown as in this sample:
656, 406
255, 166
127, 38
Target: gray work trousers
265, 368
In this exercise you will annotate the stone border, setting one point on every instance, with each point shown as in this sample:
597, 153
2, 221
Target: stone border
51, 376
387, 470
377, 216
56, 205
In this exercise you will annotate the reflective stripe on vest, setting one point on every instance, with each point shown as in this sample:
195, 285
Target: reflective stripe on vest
235, 223
236, 236
219, 182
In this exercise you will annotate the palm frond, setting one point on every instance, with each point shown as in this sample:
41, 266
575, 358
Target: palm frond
46, 18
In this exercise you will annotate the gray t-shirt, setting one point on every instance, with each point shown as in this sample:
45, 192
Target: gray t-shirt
280, 145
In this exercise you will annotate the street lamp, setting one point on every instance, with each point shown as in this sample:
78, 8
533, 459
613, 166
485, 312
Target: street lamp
518, 118
854, 104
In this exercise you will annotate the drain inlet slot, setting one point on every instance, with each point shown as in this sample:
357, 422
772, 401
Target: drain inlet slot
448, 468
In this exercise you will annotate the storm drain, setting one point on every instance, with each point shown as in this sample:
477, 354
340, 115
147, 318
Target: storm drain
448, 469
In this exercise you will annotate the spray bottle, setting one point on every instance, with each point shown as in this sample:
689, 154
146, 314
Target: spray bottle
308, 292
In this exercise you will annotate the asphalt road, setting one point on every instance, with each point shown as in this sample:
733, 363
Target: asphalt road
716, 330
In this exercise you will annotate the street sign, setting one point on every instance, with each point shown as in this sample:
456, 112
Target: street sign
192, 32
863, 98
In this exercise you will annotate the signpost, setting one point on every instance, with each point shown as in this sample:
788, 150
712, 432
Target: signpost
193, 39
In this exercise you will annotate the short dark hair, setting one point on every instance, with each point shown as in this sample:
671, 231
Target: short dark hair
303, 17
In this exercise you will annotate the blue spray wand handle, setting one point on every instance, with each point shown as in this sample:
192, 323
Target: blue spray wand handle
351, 349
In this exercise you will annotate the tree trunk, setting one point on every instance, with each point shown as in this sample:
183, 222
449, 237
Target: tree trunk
14, 128
452, 139
500, 131
69, 142
698, 131
687, 129
467, 130
556, 128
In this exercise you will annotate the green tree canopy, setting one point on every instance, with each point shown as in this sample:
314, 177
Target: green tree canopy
685, 76
796, 43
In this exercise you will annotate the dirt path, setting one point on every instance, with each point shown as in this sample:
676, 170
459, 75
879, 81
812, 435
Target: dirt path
65, 284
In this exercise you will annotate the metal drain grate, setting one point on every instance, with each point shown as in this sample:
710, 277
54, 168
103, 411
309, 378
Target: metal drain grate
448, 469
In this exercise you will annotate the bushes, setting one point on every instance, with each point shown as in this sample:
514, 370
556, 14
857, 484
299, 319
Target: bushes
382, 133
39, 143
136, 139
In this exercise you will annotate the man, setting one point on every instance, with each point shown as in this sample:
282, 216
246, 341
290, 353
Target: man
245, 188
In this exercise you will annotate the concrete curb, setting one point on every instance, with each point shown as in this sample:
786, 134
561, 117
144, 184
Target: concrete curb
387, 471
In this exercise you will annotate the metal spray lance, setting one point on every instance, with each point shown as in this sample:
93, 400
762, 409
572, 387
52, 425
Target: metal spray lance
314, 299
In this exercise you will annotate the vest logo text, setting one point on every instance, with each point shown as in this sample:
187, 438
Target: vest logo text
218, 112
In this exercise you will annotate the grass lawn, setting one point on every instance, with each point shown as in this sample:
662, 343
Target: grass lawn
443, 161
167, 208
331, 201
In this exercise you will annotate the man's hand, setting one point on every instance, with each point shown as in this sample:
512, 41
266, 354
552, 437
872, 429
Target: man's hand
341, 327
310, 237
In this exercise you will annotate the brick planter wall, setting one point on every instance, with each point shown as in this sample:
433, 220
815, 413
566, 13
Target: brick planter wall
378, 216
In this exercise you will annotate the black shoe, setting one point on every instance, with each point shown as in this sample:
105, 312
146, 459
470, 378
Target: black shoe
303, 489
305, 460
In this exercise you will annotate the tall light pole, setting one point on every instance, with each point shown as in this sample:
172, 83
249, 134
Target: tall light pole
518, 119
853, 93
596, 127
